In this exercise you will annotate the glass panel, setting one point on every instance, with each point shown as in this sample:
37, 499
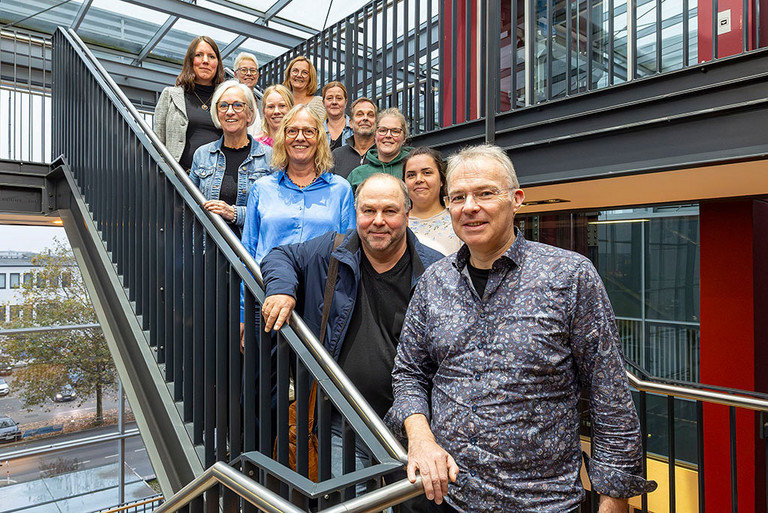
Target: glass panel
648, 259
2, 280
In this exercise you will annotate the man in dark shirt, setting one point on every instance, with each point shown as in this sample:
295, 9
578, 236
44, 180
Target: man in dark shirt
363, 123
379, 265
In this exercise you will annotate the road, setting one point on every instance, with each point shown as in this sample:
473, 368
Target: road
53, 414
80, 458
56, 413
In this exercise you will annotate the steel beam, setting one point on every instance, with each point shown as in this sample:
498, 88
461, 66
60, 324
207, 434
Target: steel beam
80, 14
261, 14
221, 21
271, 12
712, 114
152, 43
168, 444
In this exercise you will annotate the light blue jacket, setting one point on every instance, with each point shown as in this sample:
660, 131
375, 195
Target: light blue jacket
278, 212
209, 164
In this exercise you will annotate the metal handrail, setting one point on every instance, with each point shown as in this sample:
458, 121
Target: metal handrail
326, 361
270, 502
750, 403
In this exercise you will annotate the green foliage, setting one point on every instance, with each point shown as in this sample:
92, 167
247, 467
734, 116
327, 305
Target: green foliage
55, 296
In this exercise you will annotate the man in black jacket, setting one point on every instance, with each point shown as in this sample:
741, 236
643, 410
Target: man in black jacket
379, 265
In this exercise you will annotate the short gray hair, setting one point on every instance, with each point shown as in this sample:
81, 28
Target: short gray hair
229, 84
400, 183
245, 55
471, 154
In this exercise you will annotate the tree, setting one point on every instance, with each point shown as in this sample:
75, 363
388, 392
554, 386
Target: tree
55, 295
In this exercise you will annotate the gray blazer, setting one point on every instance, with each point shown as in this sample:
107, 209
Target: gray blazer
170, 120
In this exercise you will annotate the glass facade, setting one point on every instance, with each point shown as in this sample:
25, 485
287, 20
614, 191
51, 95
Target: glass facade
648, 259
583, 45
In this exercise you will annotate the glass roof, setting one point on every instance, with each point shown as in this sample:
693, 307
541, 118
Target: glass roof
154, 34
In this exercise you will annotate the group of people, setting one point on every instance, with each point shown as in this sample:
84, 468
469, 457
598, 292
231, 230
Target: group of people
472, 343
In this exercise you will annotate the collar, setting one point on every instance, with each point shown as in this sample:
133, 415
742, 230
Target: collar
283, 180
513, 256
346, 124
351, 248
257, 148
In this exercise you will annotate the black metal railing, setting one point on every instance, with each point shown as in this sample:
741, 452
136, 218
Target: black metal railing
183, 268
443, 61
672, 420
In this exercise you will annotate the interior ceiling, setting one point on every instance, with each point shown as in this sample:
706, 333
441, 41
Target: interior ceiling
742, 179
154, 34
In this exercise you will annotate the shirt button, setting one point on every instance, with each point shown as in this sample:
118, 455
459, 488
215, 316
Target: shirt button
480, 345
474, 408
477, 377
473, 440
482, 315
472, 473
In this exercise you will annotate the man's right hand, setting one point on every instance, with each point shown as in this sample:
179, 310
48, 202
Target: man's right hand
434, 464
277, 311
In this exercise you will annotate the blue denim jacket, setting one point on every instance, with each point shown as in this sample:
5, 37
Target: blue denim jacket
209, 164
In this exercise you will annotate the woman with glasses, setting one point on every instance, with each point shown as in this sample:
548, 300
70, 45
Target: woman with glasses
387, 157
429, 220
247, 72
226, 169
277, 101
302, 199
301, 80
182, 117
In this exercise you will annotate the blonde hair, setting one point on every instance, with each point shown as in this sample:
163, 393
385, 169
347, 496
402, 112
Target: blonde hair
394, 112
245, 55
282, 91
323, 157
311, 88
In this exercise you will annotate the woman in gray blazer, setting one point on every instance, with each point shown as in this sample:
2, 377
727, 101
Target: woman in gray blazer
182, 118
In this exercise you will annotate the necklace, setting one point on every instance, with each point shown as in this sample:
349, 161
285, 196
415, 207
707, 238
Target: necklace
305, 185
203, 103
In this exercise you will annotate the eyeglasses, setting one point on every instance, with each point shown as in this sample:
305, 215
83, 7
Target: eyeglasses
248, 71
299, 73
292, 132
396, 132
481, 197
238, 107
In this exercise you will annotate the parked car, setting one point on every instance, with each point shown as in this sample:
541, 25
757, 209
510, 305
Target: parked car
4, 388
6, 369
9, 430
67, 393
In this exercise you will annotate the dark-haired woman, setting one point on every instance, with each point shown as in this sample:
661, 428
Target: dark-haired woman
424, 172
183, 114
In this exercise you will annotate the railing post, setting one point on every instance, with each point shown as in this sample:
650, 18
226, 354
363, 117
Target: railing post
530, 54
492, 55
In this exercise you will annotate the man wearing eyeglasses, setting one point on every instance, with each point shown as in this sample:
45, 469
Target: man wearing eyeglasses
391, 134
247, 72
497, 344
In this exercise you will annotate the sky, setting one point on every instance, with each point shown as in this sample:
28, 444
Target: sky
30, 238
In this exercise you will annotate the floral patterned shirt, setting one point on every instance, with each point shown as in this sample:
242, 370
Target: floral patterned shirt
503, 375
436, 232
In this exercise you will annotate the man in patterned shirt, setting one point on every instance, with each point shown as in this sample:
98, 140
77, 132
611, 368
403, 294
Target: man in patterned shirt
497, 345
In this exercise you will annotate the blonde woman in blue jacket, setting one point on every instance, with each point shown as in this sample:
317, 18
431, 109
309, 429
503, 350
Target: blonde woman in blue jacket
182, 118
